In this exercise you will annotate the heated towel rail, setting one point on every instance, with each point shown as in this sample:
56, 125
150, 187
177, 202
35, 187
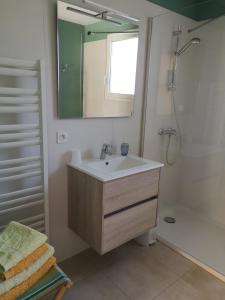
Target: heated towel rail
23, 151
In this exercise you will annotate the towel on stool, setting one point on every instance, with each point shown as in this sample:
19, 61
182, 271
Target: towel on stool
27, 284
6, 285
17, 241
24, 263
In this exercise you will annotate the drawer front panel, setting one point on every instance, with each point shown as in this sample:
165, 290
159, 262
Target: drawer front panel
126, 191
128, 224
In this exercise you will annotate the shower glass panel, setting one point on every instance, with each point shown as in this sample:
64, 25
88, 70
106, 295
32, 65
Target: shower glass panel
199, 211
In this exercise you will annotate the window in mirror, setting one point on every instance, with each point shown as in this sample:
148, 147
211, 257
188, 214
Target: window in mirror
122, 66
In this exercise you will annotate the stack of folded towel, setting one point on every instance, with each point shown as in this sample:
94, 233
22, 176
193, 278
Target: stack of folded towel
25, 258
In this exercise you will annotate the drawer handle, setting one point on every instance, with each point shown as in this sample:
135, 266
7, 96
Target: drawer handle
129, 207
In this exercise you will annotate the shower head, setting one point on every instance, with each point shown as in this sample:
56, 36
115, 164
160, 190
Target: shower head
194, 41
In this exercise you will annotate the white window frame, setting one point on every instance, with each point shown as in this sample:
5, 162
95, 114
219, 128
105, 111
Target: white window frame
113, 38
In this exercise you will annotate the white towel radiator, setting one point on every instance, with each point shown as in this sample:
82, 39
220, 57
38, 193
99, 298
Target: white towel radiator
23, 148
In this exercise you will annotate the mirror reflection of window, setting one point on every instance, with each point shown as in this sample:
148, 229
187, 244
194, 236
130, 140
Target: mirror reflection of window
122, 65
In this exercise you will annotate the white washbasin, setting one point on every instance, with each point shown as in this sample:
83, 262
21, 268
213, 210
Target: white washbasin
116, 166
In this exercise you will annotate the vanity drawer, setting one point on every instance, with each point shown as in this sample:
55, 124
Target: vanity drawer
128, 224
132, 189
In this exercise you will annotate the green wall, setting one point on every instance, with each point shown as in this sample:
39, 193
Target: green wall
198, 10
71, 81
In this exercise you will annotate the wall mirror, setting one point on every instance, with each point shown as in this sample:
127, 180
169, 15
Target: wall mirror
97, 59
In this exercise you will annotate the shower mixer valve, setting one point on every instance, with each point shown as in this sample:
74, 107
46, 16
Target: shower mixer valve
167, 131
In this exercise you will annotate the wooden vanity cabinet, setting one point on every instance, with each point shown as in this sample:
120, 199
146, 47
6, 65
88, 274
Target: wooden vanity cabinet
108, 214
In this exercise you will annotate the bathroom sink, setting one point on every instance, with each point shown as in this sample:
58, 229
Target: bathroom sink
116, 166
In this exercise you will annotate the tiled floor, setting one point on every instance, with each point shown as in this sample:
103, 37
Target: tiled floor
139, 273
191, 233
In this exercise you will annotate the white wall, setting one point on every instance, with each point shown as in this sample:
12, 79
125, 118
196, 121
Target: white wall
160, 112
28, 31
203, 158
87, 135
196, 181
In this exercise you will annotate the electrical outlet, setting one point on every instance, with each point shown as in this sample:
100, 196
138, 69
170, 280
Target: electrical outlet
61, 137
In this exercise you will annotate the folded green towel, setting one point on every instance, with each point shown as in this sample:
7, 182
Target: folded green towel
17, 241
8, 284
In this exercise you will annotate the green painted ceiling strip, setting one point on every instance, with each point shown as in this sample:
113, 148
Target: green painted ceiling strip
198, 10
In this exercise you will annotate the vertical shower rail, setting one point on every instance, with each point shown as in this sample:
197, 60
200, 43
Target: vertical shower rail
30, 202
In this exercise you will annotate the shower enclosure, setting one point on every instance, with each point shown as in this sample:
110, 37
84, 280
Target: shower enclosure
193, 189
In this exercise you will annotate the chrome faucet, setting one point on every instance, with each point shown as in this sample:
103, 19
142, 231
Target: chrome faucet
106, 149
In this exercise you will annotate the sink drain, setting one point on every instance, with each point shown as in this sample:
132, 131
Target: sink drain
170, 220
